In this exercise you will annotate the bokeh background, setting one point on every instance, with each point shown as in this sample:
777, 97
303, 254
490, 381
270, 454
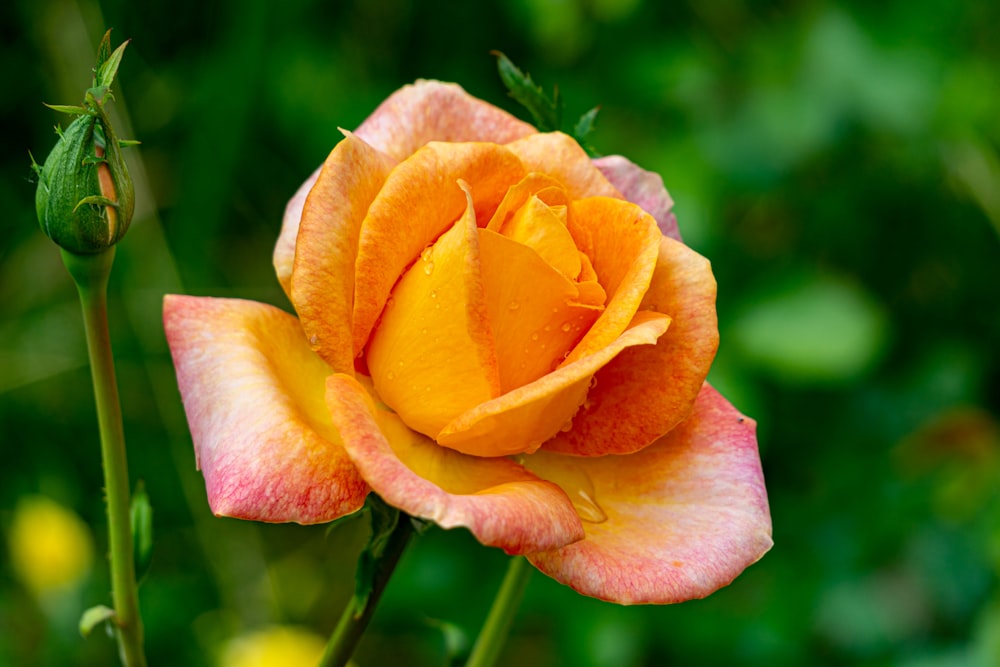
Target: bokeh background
839, 164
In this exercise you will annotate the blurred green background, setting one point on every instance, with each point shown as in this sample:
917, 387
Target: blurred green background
838, 162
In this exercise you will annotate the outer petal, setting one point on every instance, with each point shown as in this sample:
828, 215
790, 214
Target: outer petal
558, 155
503, 504
284, 249
522, 419
684, 516
253, 394
322, 286
646, 391
434, 111
419, 201
641, 187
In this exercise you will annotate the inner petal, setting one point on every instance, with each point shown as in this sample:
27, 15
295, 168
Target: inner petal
431, 356
543, 228
534, 310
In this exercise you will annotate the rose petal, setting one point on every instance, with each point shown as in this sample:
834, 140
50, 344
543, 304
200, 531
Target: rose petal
647, 390
499, 501
284, 249
323, 278
534, 310
419, 201
431, 357
548, 189
558, 155
433, 111
641, 187
622, 242
522, 419
253, 394
542, 228
684, 516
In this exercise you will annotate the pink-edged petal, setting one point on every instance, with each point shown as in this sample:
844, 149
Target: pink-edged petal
253, 393
284, 249
433, 111
641, 187
648, 390
322, 285
683, 517
503, 504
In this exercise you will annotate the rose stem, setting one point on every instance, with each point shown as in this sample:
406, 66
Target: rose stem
90, 273
356, 616
492, 637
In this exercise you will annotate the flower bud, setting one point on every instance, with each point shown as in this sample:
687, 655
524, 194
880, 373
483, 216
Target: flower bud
85, 196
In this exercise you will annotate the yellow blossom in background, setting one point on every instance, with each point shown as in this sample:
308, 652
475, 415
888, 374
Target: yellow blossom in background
51, 548
275, 646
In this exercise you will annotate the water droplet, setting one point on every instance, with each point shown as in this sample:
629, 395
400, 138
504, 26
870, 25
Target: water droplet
580, 488
434, 294
424, 331
427, 254
534, 336
566, 327
513, 305
313, 340
548, 327
401, 363
390, 376
428, 268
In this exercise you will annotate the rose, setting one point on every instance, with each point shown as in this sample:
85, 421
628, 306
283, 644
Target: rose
493, 332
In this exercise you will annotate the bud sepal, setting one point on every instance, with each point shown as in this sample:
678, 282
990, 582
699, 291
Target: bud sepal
85, 197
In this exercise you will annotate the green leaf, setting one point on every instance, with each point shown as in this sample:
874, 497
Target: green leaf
126, 143
583, 129
141, 514
547, 113
103, 51
383, 521
94, 617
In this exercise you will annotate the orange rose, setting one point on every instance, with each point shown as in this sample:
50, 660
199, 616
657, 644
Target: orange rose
493, 332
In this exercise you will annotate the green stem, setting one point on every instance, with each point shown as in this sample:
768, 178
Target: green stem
90, 272
356, 616
492, 637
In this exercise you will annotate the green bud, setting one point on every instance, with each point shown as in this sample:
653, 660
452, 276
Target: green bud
85, 197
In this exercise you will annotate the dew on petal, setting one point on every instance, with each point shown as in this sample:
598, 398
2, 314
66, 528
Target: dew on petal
428, 268
580, 488
513, 305
566, 327
313, 340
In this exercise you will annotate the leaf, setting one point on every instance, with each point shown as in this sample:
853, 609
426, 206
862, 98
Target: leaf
546, 113
141, 514
383, 522
94, 617
583, 129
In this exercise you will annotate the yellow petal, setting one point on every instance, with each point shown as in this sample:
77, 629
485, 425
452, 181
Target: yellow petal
431, 356
433, 111
622, 242
543, 229
419, 201
548, 189
254, 397
521, 420
322, 283
676, 521
559, 156
498, 500
646, 391
641, 187
533, 310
